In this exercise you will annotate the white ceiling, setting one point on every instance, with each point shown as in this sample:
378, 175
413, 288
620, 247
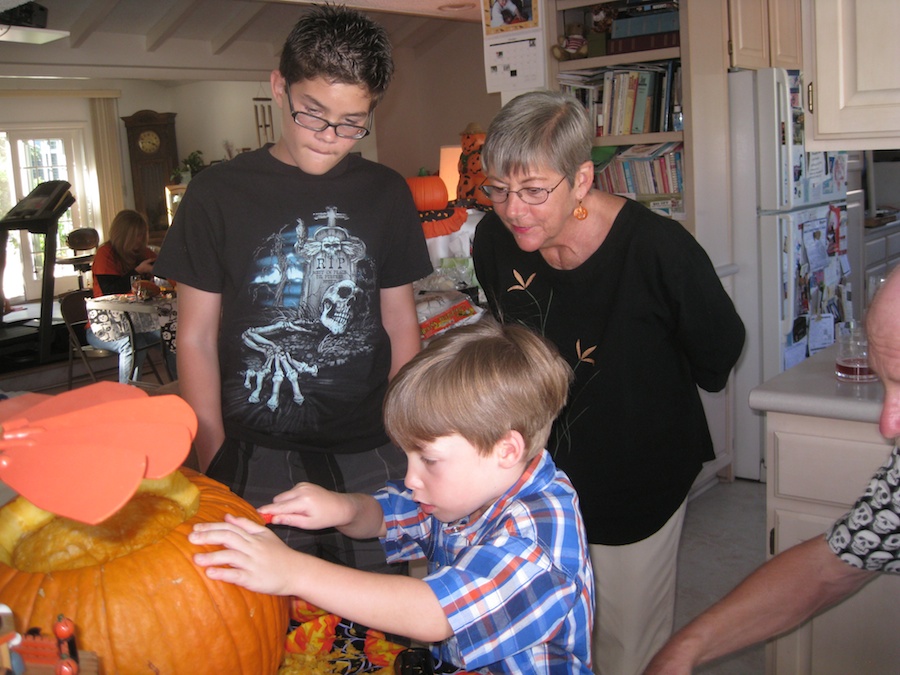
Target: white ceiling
221, 22
177, 40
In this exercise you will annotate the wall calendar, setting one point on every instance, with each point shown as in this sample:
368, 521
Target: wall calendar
514, 61
514, 53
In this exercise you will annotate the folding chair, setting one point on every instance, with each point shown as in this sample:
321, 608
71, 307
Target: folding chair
74, 314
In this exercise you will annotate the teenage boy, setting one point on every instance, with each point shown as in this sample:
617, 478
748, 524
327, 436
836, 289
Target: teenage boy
295, 265
509, 586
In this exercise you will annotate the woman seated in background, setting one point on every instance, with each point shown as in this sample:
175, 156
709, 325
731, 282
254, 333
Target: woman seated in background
124, 254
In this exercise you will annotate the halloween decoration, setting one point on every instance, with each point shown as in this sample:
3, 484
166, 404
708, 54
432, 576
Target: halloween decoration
471, 174
429, 192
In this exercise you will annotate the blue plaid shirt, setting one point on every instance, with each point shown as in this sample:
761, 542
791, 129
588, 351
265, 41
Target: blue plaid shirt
516, 584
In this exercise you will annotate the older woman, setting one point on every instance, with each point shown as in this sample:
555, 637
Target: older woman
633, 303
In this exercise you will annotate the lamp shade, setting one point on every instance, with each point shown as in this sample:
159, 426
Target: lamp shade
449, 167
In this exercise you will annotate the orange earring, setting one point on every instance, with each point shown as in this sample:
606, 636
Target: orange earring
580, 212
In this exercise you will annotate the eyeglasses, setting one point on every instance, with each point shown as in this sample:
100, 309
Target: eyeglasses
316, 123
529, 195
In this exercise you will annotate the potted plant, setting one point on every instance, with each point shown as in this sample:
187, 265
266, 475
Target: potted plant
189, 166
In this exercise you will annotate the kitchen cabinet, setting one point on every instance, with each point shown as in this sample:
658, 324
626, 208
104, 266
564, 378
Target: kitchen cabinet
765, 34
822, 447
850, 47
882, 251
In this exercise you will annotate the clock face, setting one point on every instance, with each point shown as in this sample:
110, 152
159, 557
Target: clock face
148, 142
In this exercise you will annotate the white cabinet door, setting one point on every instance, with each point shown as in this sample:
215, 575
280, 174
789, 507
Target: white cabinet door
785, 41
850, 53
748, 23
765, 33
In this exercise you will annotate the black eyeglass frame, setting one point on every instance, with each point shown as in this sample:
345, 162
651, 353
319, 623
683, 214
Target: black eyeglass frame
359, 133
488, 189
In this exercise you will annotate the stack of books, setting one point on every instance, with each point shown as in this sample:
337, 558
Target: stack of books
627, 99
649, 173
644, 25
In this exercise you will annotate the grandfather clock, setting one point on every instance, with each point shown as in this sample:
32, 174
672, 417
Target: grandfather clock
153, 155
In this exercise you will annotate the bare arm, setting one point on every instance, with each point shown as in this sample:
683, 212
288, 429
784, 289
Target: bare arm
312, 507
783, 593
198, 366
398, 315
255, 558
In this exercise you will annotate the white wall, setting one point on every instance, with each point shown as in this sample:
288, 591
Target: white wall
437, 91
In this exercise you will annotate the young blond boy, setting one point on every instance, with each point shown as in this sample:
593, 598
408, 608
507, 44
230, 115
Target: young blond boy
509, 586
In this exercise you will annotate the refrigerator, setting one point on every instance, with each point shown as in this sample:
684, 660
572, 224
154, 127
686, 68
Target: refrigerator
789, 219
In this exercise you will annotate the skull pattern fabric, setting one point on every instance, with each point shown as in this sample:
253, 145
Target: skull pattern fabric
868, 536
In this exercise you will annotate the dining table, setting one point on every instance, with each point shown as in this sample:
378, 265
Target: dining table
115, 316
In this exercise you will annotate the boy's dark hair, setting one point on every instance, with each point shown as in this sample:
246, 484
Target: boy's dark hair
340, 45
479, 381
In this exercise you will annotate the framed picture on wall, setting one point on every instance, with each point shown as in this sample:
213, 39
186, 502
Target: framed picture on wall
501, 16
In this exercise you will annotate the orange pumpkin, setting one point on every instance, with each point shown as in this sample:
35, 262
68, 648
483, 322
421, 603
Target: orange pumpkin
429, 192
149, 609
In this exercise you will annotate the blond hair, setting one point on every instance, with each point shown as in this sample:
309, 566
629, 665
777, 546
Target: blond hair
481, 382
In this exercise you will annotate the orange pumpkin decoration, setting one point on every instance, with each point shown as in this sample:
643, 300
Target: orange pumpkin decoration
471, 175
429, 192
141, 604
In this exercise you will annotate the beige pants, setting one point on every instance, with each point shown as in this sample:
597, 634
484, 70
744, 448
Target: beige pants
635, 588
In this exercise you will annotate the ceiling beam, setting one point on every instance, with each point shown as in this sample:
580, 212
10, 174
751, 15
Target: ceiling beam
92, 16
233, 30
166, 27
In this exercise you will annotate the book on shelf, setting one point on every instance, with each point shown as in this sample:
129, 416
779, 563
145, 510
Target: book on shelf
628, 98
640, 43
665, 97
644, 24
639, 121
653, 168
633, 78
590, 96
670, 205
635, 7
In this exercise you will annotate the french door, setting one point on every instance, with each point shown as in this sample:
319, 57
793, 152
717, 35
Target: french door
29, 157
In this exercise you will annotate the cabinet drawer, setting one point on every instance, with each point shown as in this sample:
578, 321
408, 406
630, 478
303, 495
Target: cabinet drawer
876, 250
827, 470
893, 244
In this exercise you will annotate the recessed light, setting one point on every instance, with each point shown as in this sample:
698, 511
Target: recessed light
456, 7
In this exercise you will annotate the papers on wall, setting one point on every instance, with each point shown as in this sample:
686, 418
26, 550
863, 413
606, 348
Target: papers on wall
514, 51
514, 61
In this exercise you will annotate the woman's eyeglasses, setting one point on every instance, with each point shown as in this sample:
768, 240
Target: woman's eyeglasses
530, 195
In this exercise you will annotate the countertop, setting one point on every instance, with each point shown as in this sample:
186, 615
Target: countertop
811, 388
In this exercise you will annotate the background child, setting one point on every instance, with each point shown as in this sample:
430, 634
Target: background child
295, 265
509, 585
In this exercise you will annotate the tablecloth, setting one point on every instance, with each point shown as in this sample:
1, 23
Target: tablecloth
109, 316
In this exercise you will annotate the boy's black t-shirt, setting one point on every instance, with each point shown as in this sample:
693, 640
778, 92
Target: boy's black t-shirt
299, 261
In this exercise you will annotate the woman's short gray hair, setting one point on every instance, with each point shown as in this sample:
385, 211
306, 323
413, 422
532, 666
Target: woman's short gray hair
539, 129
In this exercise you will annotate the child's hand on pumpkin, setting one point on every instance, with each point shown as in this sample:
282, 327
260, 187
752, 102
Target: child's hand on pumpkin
310, 507
252, 555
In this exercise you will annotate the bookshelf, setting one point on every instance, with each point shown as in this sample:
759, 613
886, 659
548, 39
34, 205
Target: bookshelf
703, 54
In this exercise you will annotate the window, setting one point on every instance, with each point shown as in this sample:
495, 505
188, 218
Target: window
29, 157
